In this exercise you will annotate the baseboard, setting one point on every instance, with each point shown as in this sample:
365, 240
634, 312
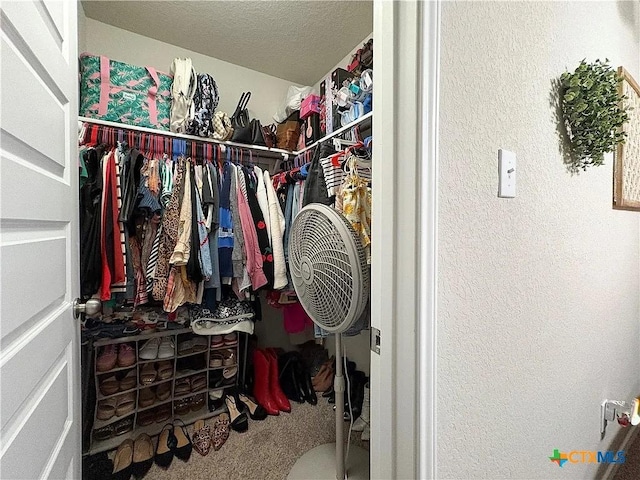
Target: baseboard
622, 440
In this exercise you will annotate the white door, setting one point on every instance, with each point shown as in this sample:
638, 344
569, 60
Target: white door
39, 338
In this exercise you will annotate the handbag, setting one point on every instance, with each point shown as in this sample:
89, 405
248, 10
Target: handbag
222, 129
240, 121
269, 135
287, 132
257, 137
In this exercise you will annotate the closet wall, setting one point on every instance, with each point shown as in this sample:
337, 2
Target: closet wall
267, 92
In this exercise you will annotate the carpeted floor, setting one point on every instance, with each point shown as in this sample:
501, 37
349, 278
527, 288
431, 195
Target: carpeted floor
267, 450
630, 469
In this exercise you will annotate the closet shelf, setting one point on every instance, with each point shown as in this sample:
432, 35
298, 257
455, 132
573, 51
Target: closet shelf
363, 119
122, 126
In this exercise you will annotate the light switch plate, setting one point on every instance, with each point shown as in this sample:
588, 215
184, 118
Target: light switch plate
506, 174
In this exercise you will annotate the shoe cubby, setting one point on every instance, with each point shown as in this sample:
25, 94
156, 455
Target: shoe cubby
145, 381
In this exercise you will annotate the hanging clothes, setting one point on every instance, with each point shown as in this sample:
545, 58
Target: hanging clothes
260, 225
277, 231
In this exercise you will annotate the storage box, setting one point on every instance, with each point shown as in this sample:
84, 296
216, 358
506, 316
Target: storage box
310, 105
119, 92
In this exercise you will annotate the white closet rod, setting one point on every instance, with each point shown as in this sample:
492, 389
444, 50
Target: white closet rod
348, 126
277, 151
165, 133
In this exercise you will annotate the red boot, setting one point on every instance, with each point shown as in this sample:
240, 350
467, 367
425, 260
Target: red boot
261, 387
274, 383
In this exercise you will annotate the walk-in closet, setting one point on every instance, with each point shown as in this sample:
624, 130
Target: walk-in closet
225, 156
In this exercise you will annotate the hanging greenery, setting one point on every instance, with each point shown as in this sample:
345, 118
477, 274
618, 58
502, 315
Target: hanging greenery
592, 112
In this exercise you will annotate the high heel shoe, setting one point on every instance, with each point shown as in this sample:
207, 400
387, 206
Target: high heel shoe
123, 461
256, 412
239, 420
166, 443
142, 455
183, 446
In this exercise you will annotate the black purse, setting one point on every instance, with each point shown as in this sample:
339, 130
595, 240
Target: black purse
257, 135
240, 121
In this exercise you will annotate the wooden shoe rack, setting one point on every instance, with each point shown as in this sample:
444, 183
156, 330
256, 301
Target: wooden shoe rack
108, 434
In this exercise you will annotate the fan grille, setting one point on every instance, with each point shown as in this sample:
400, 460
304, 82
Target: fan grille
328, 267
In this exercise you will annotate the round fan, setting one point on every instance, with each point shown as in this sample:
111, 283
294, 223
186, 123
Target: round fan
331, 278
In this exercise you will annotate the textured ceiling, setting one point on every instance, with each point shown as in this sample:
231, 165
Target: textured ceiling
299, 41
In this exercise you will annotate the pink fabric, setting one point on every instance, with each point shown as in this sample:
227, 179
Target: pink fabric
254, 256
151, 97
295, 318
105, 84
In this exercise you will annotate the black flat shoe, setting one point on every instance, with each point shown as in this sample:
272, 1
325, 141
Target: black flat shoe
142, 455
123, 461
239, 421
256, 412
184, 446
166, 443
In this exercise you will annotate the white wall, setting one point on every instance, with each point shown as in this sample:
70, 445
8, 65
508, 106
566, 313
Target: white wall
267, 92
538, 295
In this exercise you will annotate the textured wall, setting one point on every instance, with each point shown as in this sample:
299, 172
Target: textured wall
267, 92
538, 295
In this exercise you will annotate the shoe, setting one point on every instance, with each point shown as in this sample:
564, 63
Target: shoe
229, 372
197, 402
239, 420
166, 348
104, 433
122, 462
274, 382
126, 355
126, 404
185, 347
261, 390
165, 369
220, 431
323, 379
216, 360
148, 374
363, 420
162, 413
182, 406
123, 426
107, 408
228, 358
142, 455
198, 382
216, 400
230, 339
107, 358
146, 397
183, 446
202, 438
199, 343
129, 381
217, 341
109, 385
304, 380
288, 376
166, 443
149, 350
183, 385
163, 391
146, 417
256, 412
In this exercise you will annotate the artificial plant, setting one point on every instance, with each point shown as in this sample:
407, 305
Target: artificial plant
593, 112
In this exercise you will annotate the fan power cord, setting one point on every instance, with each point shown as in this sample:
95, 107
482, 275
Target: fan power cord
344, 360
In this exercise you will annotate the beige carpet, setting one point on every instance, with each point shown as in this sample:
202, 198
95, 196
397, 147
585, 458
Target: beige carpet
630, 469
267, 450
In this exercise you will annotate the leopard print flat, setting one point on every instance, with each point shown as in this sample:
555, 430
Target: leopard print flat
220, 431
201, 438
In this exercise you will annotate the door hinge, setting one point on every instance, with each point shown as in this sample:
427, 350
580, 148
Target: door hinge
375, 340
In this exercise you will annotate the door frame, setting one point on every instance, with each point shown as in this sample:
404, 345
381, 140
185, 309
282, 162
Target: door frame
405, 248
